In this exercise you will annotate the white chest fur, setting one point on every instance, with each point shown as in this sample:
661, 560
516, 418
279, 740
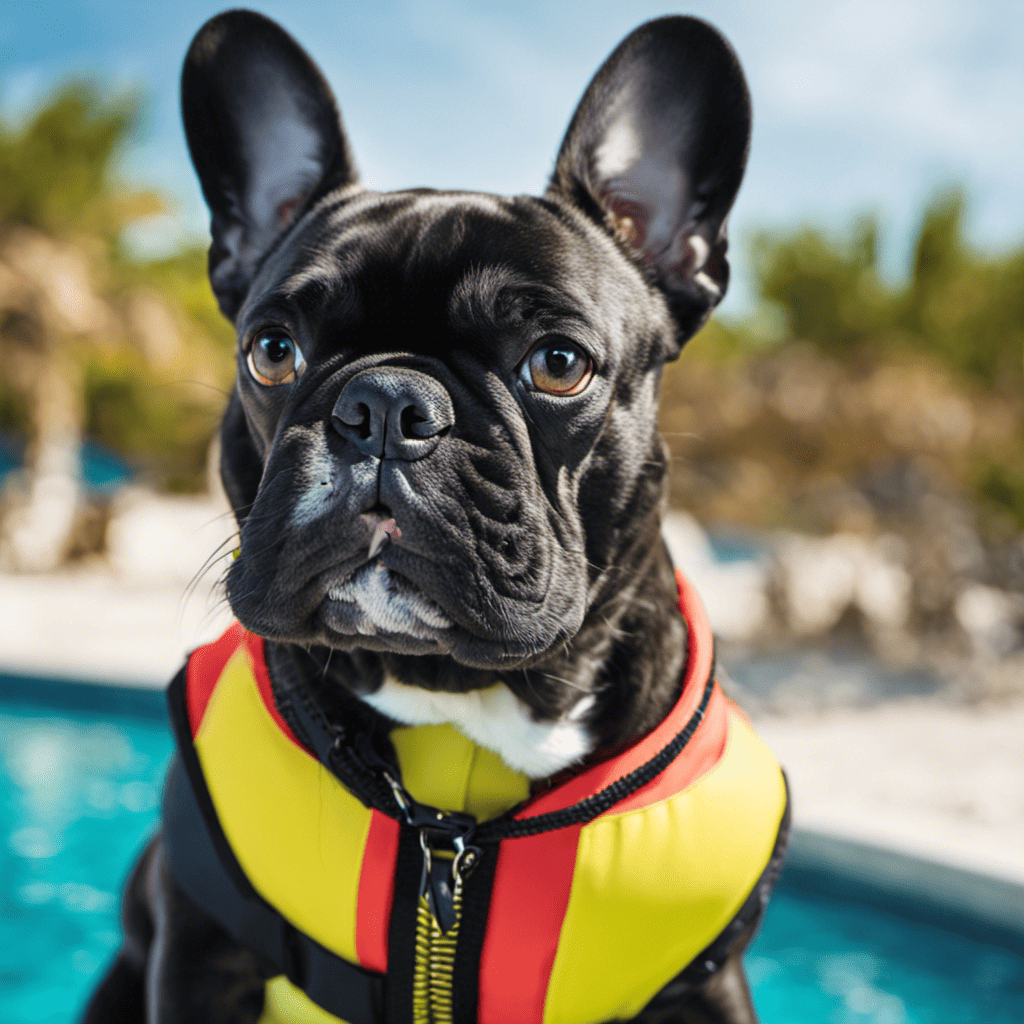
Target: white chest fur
494, 718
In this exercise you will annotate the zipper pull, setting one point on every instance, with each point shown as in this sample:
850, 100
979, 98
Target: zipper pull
442, 879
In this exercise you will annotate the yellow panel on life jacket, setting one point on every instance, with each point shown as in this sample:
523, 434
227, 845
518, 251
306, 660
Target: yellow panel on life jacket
297, 832
443, 768
283, 1003
653, 886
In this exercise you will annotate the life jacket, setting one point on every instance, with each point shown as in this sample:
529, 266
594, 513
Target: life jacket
426, 885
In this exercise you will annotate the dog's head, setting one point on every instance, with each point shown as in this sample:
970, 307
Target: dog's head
443, 436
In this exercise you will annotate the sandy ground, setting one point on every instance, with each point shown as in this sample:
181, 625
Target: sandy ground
929, 778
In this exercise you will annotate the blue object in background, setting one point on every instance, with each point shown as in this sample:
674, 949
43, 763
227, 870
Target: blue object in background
80, 774
103, 472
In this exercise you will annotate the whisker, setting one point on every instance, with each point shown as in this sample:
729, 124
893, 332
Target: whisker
224, 515
155, 385
567, 682
218, 552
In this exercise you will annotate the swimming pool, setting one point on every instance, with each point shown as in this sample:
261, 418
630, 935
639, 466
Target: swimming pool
80, 776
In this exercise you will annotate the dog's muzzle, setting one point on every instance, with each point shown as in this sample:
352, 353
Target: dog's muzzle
393, 413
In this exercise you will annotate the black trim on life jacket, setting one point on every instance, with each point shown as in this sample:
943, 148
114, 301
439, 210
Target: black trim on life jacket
333, 745
355, 762
206, 869
476, 901
402, 927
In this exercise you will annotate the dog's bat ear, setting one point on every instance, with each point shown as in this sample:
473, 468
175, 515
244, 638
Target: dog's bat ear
241, 467
656, 152
265, 136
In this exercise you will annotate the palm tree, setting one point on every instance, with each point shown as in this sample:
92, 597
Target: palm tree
72, 299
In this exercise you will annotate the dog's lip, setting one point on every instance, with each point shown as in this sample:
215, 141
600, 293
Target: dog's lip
383, 530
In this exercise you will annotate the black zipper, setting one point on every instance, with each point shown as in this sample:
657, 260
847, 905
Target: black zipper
438, 980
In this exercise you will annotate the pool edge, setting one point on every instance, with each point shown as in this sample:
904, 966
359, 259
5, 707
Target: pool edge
985, 905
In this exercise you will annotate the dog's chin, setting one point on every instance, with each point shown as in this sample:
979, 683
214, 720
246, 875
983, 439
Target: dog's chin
377, 609
383, 611
376, 600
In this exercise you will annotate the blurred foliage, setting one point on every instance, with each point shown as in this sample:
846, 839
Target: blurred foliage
963, 308
1001, 484
163, 430
56, 170
785, 417
828, 288
151, 352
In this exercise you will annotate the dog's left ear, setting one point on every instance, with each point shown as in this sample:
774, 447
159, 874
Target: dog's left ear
656, 152
265, 136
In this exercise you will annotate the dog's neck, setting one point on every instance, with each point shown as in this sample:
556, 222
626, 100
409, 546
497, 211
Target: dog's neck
613, 683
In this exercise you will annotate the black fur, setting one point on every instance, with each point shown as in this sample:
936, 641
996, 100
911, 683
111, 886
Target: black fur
530, 522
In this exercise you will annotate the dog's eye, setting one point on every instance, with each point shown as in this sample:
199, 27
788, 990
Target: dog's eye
274, 358
557, 367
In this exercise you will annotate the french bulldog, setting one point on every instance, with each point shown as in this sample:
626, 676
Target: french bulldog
442, 449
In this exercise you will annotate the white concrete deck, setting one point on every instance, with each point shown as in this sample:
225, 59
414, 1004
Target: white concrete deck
128, 620
94, 626
937, 781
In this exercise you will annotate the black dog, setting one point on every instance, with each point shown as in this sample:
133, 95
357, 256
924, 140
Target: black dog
443, 457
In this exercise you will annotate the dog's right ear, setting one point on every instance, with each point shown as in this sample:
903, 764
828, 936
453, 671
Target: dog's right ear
266, 139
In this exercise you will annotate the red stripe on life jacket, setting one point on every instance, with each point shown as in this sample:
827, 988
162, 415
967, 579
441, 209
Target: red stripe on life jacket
699, 756
532, 883
376, 892
204, 668
700, 654
255, 649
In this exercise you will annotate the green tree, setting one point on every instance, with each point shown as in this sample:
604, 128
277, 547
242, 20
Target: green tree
965, 308
828, 288
961, 307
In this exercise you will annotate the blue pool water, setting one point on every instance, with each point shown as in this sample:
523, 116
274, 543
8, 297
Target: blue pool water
79, 794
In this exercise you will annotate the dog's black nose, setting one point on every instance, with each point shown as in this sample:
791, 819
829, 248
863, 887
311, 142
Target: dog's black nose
393, 413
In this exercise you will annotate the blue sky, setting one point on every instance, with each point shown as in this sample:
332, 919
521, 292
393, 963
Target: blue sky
858, 106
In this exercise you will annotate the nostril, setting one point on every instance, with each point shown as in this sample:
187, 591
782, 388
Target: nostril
393, 413
410, 419
364, 426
